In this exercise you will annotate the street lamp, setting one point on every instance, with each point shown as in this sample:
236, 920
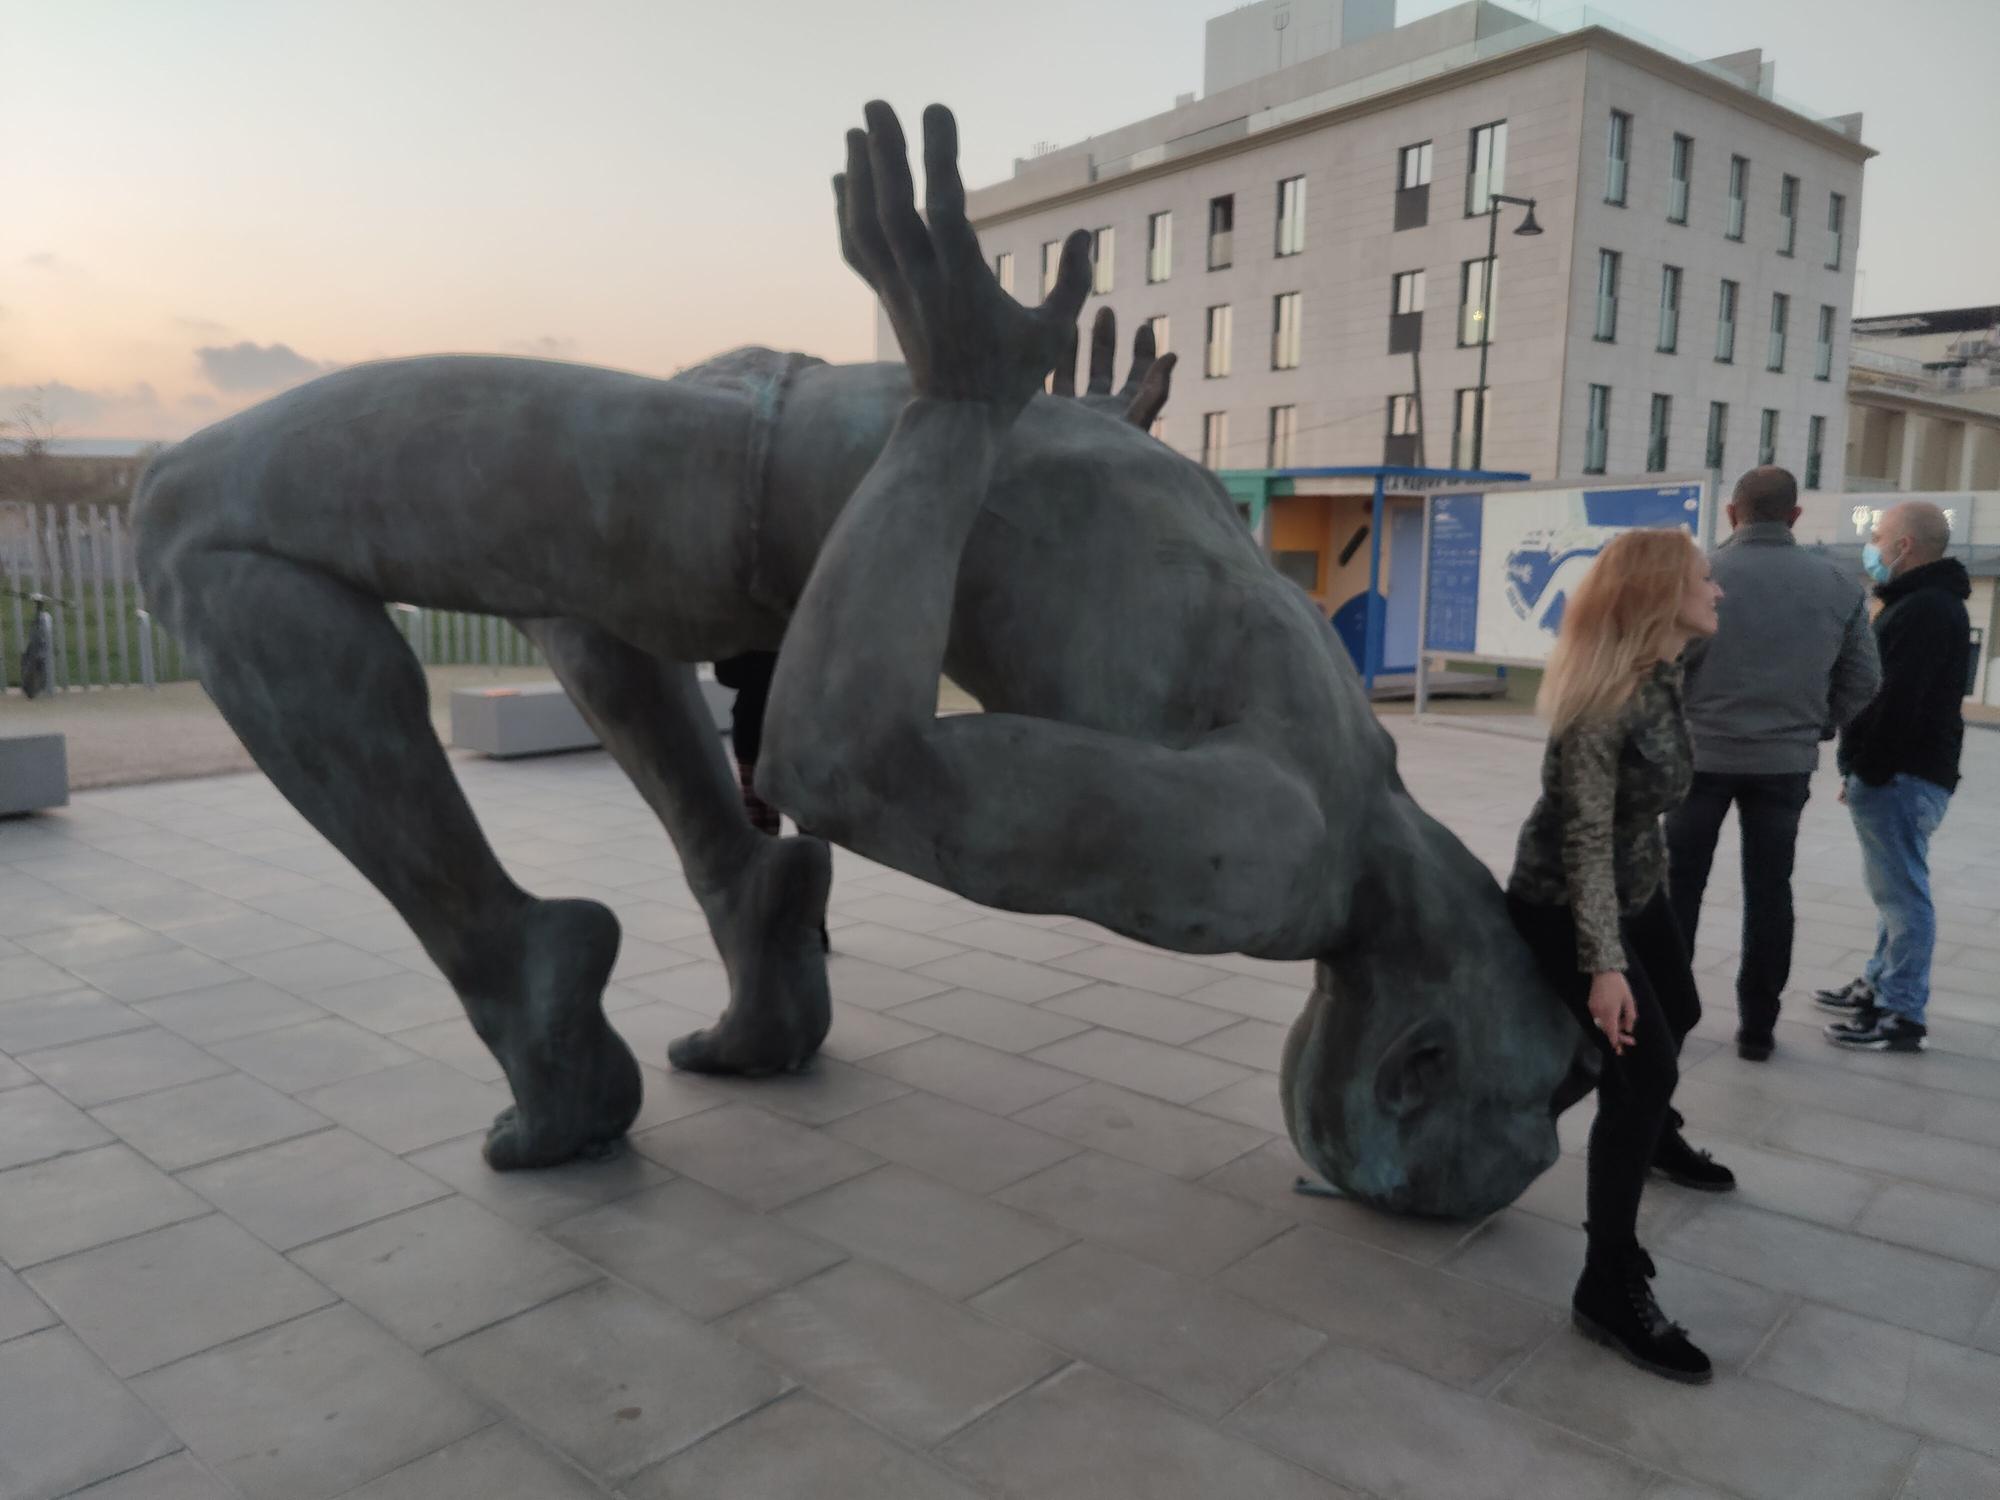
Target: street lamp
1527, 226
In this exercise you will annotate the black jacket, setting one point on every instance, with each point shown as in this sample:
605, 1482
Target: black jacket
1916, 724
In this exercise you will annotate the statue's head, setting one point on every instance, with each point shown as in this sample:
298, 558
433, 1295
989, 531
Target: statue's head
1427, 1070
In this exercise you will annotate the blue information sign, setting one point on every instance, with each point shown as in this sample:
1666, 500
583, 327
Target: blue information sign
1452, 620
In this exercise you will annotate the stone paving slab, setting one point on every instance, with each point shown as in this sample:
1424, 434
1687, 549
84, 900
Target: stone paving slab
1028, 1230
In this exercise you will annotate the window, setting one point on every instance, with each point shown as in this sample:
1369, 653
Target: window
1284, 425
1781, 314
1413, 166
1656, 434
1788, 214
1739, 188
1406, 312
1597, 430
1467, 416
1102, 244
1051, 263
1836, 220
1815, 441
1159, 327
1767, 438
1285, 331
1478, 289
1291, 216
1725, 325
1823, 355
1003, 270
1486, 167
1681, 187
1607, 296
1670, 310
1221, 231
1301, 567
1215, 362
1413, 186
1718, 433
1619, 153
1159, 247
1400, 446
1214, 438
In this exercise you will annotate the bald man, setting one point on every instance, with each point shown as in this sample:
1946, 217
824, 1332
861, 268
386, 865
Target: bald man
1900, 761
1793, 661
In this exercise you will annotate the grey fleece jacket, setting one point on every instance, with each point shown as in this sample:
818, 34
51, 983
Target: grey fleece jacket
1793, 662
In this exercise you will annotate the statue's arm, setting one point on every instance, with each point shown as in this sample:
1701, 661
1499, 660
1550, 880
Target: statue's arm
1202, 847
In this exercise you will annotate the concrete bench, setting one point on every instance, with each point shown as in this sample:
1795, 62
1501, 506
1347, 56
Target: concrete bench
537, 718
34, 773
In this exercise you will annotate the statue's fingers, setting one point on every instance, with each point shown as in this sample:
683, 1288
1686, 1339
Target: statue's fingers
944, 193
1064, 380
895, 192
1142, 362
1103, 350
1152, 398
1064, 303
861, 226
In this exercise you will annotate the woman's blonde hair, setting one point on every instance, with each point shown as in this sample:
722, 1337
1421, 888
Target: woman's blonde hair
1618, 623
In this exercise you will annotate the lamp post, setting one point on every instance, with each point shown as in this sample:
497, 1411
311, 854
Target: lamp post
1527, 226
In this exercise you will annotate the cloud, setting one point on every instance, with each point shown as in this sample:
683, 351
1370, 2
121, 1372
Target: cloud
256, 367
547, 346
206, 328
67, 407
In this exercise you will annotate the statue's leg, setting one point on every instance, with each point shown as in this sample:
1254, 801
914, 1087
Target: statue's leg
334, 708
765, 898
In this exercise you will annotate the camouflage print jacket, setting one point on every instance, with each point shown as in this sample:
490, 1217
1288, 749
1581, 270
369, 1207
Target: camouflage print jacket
1594, 841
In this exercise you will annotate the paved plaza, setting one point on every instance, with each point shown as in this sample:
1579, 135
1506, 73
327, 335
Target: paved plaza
1027, 1230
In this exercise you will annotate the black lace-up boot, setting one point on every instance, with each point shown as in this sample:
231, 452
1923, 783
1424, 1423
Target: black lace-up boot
1677, 1161
1614, 1306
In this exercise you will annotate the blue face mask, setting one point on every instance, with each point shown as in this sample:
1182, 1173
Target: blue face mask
1875, 564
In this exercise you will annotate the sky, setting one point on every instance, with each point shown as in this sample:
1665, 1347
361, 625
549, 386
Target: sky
204, 201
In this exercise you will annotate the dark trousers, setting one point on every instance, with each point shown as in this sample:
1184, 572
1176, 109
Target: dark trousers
1768, 810
1635, 1091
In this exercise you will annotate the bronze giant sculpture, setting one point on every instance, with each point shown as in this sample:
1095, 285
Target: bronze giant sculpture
1175, 747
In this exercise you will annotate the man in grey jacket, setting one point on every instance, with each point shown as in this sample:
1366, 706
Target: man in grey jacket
1793, 662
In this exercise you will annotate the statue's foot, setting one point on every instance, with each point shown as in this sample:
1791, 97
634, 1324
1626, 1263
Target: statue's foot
779, 1006
576, 1084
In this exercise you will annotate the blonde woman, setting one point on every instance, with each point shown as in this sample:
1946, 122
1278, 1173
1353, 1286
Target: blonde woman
1589, 893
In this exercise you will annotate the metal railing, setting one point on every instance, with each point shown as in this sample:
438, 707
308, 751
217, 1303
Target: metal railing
79, 561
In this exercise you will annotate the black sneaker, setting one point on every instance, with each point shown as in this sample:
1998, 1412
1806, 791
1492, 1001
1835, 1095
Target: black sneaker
1677, 1161
1752, 1047
1878, 1031
1614, 1306
1854, 996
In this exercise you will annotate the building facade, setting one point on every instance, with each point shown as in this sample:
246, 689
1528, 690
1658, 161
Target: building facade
1924, 401
1313, 243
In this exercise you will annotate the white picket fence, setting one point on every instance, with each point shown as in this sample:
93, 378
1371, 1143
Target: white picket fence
80, 560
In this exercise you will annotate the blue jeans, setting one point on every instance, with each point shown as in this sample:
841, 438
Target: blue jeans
1895, 823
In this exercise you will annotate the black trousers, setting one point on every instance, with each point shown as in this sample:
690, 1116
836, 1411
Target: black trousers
1768, 810
1635, 1091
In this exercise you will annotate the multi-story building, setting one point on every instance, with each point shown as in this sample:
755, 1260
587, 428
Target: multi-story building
1313, 241
1923, 393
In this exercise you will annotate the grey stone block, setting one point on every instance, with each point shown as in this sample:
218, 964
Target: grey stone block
34, 773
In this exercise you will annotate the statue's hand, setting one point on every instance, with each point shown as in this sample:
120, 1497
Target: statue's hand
963, 338
1144, 393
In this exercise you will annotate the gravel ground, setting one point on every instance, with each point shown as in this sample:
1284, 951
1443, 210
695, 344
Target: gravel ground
127, 736
124, 736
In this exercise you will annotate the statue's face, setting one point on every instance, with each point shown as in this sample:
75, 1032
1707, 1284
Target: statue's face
1426, 1078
